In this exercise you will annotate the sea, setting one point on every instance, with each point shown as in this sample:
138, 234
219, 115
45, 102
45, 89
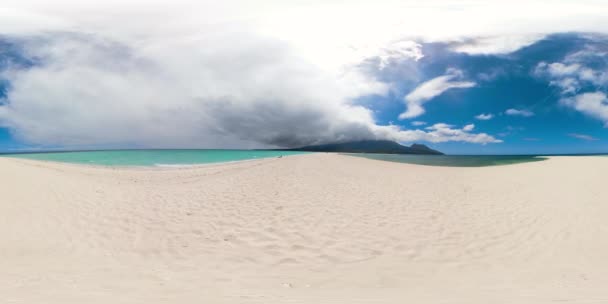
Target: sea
149, 158
178, 158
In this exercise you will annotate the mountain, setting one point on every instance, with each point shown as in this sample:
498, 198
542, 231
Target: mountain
371, 146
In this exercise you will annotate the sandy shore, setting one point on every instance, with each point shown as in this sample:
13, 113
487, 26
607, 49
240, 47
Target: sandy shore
305, 229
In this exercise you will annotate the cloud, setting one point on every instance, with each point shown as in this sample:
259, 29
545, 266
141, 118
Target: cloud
495, 28
502, 44
592, 50
570, 77
558, 69
418, 123
468, 128
483, 116
438, 133
583, 136
594, 104
431, 89
516, 112
398, 51
442, 132
87, 90
568, 85
582, 78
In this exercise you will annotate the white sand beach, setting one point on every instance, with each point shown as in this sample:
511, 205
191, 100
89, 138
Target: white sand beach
319, 228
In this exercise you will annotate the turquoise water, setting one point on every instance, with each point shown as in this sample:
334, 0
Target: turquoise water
453, 160
153, 157
193, 157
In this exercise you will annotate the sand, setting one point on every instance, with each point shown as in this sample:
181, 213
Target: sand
316, 228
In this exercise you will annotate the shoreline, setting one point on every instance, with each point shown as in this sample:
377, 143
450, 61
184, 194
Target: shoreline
154, 167
162, 166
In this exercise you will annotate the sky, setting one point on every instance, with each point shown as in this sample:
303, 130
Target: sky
463, 77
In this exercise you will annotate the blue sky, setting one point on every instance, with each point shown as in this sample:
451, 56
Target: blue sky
466, 79
553, 127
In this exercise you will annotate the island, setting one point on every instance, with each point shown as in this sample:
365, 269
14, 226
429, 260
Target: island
371, 146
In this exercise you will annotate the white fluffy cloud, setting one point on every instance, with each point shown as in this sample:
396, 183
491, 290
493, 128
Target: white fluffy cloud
441, 132
574, 78
518, 112
570, 76
484, 116
91, 91
594, 104
188, 93
431, 89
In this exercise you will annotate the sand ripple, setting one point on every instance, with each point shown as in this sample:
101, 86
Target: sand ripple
313, 228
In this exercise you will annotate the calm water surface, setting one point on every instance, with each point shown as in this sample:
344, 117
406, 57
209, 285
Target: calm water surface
194, 157
153, 157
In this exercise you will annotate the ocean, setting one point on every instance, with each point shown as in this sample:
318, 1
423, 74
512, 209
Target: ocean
149, 158
176, 158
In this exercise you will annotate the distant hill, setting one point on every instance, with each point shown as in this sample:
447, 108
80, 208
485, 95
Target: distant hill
371, 146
